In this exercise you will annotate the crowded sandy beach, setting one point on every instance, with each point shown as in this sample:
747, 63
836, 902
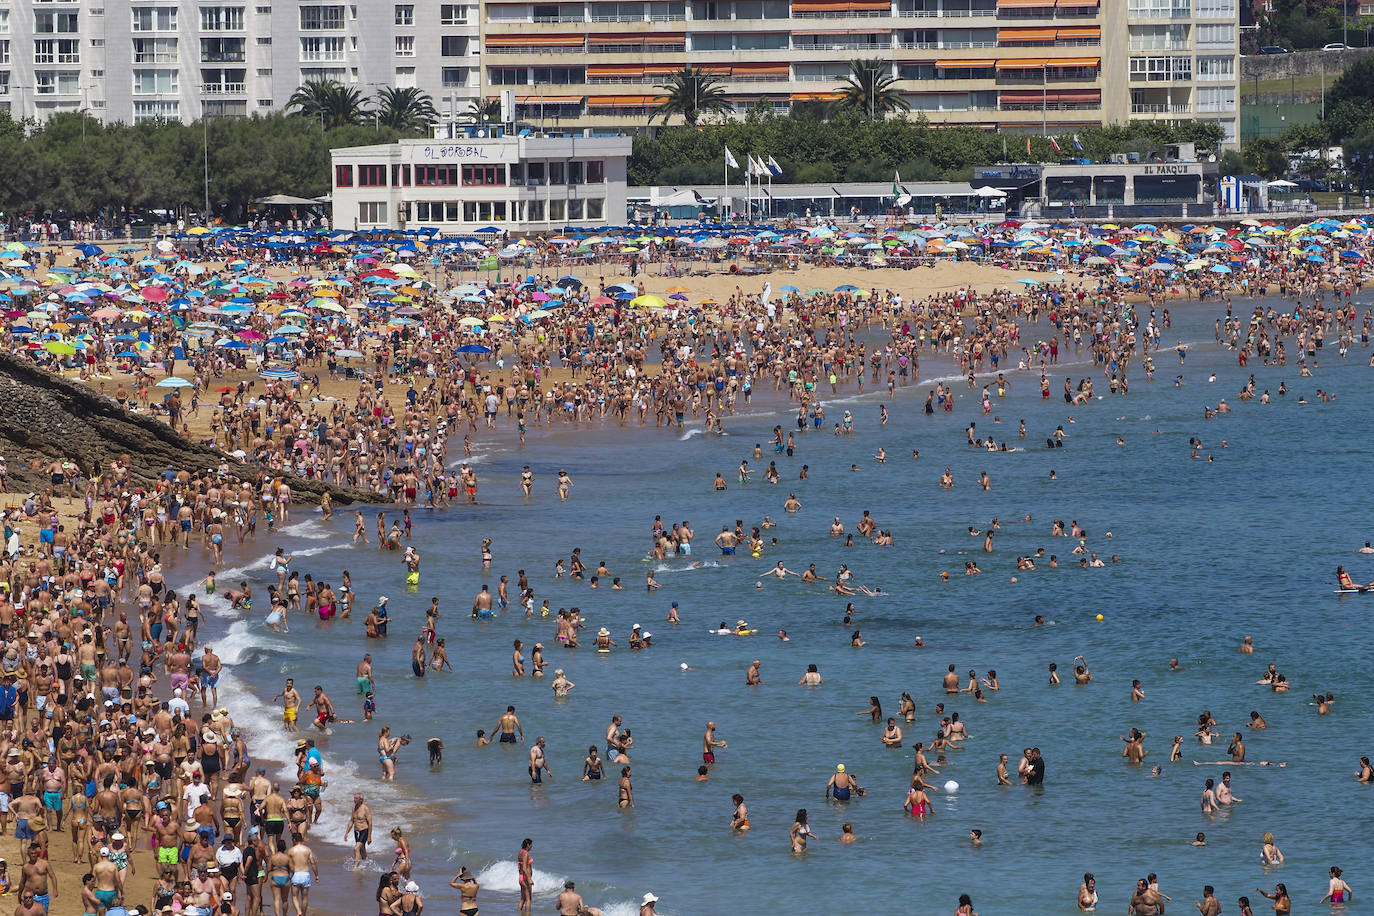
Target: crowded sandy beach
535, 419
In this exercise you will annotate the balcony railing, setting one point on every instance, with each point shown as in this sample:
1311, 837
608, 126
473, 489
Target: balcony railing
224, 88
841, 14
1159, 108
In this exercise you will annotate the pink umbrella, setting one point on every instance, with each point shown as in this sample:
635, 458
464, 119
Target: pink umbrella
249, 335
154, 293
541, 297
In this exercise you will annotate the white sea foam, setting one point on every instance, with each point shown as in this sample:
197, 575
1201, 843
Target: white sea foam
504, 878
311, 529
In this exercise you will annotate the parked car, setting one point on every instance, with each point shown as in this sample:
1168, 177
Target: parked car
1274, 49
1336, 46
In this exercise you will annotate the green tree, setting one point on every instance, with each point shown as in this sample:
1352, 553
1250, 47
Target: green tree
328, 102
870, 89
409, 110
691, 92
483, 111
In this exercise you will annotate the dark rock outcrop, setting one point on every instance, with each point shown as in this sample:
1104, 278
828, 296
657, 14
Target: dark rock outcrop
45, 416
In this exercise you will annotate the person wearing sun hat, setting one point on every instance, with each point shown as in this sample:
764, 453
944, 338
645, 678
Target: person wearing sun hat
646, 906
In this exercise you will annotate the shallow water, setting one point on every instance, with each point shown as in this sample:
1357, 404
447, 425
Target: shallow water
1210, 552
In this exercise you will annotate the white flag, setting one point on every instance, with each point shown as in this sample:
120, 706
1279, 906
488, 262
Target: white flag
767, 292
730, 159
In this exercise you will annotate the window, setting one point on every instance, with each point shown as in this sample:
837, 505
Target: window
4, 52
155, 50
264, 103
1216, 35
1222, 9
221, 19
596, 208
263, 10
1216, 98
453, 46
574, 173
55, 22
57, 82
517, 173
436, 175
371, 176
98, 74
405, 78
1161, 69
372, 211
1216, 69
97, 42
405, 14
508, 76
4, 22
264, 71
1159, 9
453, 77
400, 175
574, 209
557, 211
328, 74
343, 176
56, 51
264, 39
555, 173
479, 175
155, 19
453, 14
314, 18
536, 211
405, 45
157, 111
559, 75
155, 82
4, 82
596, 171
322, 48
217, 82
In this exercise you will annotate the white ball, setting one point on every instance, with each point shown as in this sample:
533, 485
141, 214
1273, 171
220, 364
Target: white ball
684, 666
951, 787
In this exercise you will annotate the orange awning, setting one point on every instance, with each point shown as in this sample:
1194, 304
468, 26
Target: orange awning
964, 64
1082, 31
622, 101
548, 99
1075, 62
815, 96
1025, 35
1026, 63
633, 37
759, 69
614, 70
1076, 4
506, 41
1024, 4
1024, 98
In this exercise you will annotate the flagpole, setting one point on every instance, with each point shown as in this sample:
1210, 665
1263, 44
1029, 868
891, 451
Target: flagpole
725, 196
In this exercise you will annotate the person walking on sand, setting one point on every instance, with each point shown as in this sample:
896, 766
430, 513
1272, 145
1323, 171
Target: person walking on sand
305, 871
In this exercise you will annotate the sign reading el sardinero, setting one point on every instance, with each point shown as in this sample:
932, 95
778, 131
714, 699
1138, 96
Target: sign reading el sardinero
455, 151
1172, 169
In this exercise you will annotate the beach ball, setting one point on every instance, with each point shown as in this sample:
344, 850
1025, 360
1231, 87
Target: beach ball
1099, 616
951, 787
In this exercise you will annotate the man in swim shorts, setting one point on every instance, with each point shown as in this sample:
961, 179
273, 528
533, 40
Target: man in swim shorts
304, 872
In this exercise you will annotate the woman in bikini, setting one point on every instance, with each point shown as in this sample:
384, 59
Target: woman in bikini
401, 865
388, 892
524, 866
800, 832
739, 821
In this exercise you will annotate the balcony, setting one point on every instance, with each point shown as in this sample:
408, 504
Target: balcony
224, 89
841, 14
1159, 46
1160, 108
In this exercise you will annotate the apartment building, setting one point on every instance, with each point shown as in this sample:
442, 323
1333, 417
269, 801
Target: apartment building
593, 66
132, 60
1020, 65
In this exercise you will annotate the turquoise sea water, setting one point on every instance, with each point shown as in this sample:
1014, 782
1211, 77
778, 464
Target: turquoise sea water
1210, 552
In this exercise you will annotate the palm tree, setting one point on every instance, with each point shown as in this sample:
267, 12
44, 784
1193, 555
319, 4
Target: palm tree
483, 111
691, 92
409, 111
869, 89
334, 105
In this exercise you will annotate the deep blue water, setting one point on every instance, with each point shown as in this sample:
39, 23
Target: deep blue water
1210, 552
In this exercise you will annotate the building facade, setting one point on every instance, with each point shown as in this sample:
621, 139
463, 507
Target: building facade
133, 60
1020, 65
514, 183
593, 66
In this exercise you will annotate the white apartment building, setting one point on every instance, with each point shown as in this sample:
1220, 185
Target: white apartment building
132, 60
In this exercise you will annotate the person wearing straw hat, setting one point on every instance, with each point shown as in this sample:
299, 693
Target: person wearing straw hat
646, 906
